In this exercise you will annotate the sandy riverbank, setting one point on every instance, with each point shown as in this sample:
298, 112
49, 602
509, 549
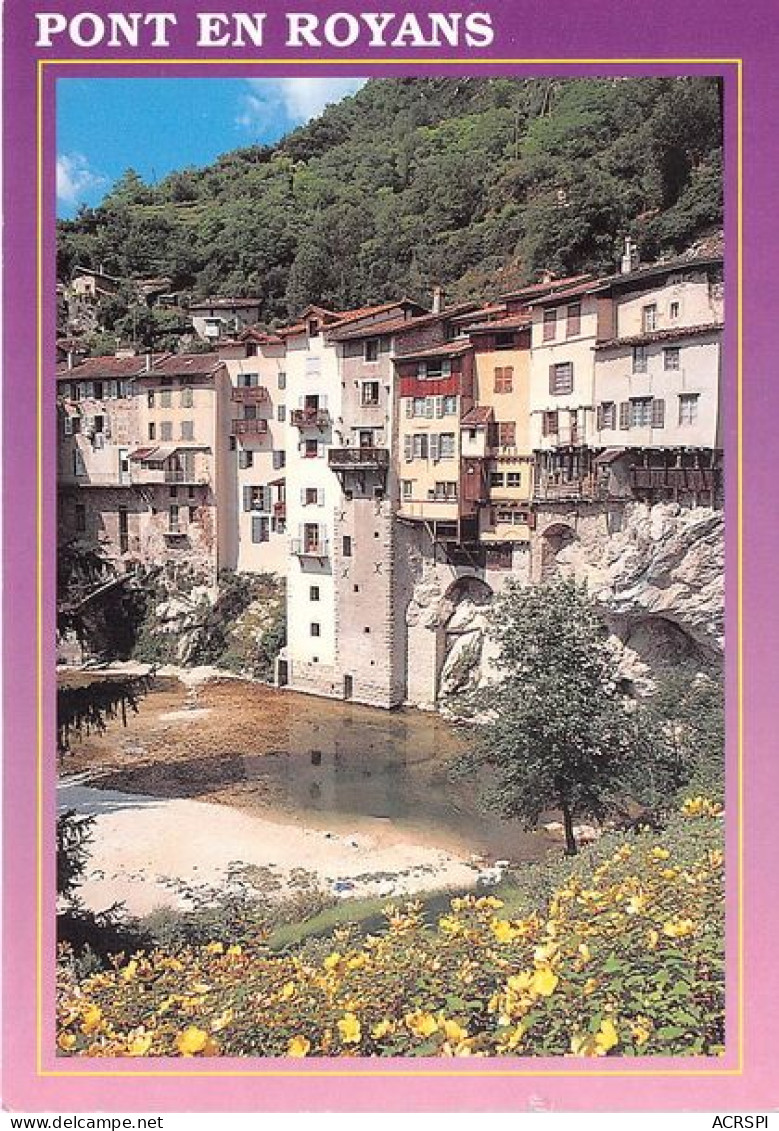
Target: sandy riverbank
145, 847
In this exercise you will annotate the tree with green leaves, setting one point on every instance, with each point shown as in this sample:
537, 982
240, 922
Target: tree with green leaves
553, 730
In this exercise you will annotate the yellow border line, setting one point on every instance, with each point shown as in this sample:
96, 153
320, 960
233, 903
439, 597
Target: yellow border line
422, 1072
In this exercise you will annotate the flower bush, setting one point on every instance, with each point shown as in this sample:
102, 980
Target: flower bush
625, 960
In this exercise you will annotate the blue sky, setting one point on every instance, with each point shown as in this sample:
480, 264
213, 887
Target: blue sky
105, 126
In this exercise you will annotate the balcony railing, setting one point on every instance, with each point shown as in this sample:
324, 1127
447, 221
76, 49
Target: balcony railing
184, 475
250, 394
674, 478
339, 458
249, 428
302, 548
310, 417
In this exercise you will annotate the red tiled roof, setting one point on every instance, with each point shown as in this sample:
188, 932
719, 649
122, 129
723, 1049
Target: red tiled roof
510, 322
542, 288
254, 334
675, 333
184, 364
97, 368
395, 325
479, 415
445, 349
571, 292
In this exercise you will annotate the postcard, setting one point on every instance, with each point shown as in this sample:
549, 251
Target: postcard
389, 625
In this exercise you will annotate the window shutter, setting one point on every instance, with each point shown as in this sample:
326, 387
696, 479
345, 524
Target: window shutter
407, 452
439, 406
658, 413
429, 407
422, 369
89, 389
599, 418
551, 379
267, 499
409, 406
247, 498
255, 528
446, 369
320, 448
68, 422
434, 447
624, 414
323, 400
320, 496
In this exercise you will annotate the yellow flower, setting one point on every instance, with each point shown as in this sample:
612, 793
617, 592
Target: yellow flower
652, 939
641, 1030
421, 1024
660, 853
222, 1021
140, 1045
66, 1041
350, 1029
299, 1046
590, 986
453, 1032
129, 971
215, 948
636, 904
332, 960
606, 1037
287, 991
584, 951
191, 1040
91, 1019
512, 1037
520, 982
382, 1029
544, 981
357, 962
490, 901
235, 951
502, 930
450, 925
678, 928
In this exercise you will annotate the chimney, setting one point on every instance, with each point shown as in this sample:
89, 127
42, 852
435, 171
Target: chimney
629, 260
148, 363
70, 359
438, 300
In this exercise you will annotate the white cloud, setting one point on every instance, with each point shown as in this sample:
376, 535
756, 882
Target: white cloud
75, 179
299, 99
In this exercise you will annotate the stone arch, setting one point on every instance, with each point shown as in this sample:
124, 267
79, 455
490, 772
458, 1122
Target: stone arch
554, 538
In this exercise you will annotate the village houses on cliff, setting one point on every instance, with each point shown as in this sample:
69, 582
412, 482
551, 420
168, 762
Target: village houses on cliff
393, 463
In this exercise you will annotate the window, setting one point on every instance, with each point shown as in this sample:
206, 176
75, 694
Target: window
514, 479
673, 311
248, 380
79, 467
252, 349
372, 349
187, 397
187, 429
369, 393
497, 479
98, 390
688, 408
97, 424
504, 341
166, 430
346, 548
406, 488
165, 398
639, 359
282, 380
561, 378
190, 492
150, 398
418, 406
649, 318
281, 413
173, 492
245, 459
310, 449
173, 518
233, 443
420, 445
640, 412
279, 460
447, 490
449, 405
607, 415
250, 412
671, 358
446, 445
549, 424
260, 528
438, 367
81, 518
550, 325
504, 379
507, 434
313, 540
313, 593
192, 512
311, 496
152, 432
573, 320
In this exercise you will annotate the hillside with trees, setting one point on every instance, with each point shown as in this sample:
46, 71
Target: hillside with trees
475, 184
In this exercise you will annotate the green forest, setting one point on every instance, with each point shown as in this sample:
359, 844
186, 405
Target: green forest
474, 184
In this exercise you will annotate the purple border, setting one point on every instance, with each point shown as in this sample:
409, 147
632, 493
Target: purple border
605, 29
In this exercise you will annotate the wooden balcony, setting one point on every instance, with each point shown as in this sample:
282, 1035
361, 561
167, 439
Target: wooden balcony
674, 478
249, 428
250, 394
302, 548
342, 459
310, 418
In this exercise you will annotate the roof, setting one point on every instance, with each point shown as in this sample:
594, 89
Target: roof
224, 303
78, 270
550, 285
478, 416
575, 291
670, 335
608, 455
397, 325
345, 318
106, 368
510, 322
184, 364
255, 334
445, 349
629, 278
160, 452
